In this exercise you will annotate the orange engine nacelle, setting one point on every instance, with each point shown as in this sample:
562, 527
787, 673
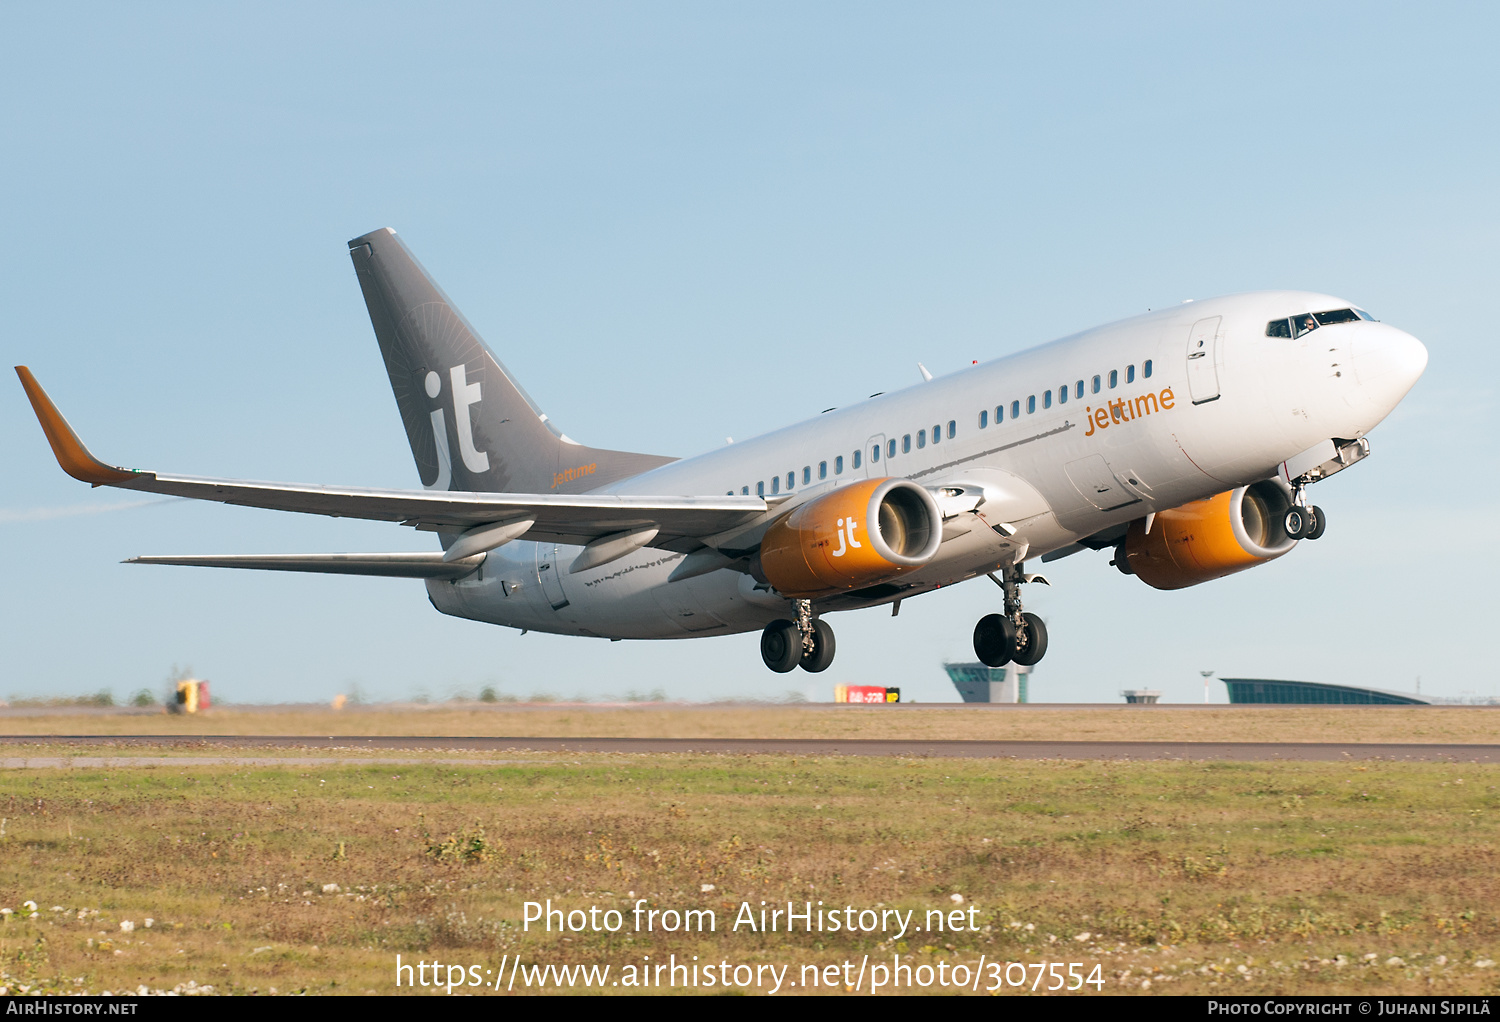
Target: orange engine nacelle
1208, 539
858, 535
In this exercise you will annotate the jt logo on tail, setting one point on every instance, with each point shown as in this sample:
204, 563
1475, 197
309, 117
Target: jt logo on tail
465, 395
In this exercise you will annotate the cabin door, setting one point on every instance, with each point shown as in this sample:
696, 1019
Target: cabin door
549, 575
1204, 353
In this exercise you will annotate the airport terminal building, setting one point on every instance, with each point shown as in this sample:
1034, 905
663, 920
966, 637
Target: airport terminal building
1268, 690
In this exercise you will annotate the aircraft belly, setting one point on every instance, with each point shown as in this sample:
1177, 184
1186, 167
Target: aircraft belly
504, 591
629, 598
982, 550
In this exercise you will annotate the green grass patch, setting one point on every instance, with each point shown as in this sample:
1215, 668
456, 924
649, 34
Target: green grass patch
308, 878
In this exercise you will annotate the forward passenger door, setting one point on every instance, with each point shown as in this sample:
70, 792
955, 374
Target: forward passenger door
1204, 353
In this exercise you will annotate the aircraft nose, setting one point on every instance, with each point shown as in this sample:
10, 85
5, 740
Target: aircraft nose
1387, 361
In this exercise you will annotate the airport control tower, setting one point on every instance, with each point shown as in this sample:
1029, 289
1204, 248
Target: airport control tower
977, 683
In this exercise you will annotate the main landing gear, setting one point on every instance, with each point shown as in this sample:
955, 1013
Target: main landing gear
1014, 635
806, 642
1302, 520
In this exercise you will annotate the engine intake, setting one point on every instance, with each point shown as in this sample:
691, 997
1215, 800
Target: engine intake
858, 535
1208, 539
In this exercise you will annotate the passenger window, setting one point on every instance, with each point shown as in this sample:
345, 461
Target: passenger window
1114, 378
1079, 394
776, 485
822, 470
1015, 409
890, 448
874, 454
760, 489
838, 465
745, 491
937, 433
921, 439
999, 414
906, 444
1279, 328
791, 480
1047, 399
1062, 394
1130, 374
984, 418
856, 459
1303, 325
1031, 405
1096, 385
952, 428
806, 474
1146, 369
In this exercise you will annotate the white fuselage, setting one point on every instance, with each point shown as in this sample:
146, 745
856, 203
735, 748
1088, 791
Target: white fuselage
1223, 405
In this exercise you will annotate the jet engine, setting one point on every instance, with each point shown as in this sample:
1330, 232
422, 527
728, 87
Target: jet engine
856, 536
1208, 539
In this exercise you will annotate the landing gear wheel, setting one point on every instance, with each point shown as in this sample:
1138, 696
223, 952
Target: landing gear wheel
821, 655
781, 646
1035, 646
994, 640
1319, 523
1297, 522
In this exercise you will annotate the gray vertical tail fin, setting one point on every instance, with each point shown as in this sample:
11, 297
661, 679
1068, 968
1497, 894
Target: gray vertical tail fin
470, 425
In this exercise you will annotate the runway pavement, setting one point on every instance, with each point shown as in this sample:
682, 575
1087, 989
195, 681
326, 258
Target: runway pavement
913, 748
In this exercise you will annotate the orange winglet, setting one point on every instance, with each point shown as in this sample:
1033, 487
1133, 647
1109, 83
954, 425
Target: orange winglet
74, 458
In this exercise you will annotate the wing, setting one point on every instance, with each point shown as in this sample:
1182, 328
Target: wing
680, 521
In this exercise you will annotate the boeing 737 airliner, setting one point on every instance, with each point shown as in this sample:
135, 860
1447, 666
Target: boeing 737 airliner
1183, 440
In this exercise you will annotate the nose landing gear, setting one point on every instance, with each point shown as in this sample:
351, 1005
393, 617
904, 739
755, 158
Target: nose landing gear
1014, 635
806, 642
1302, 520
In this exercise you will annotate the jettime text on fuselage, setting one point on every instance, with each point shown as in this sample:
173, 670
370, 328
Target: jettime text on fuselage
1127, 409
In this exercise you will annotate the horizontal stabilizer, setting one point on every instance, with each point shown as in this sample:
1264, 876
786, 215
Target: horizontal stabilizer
404, 565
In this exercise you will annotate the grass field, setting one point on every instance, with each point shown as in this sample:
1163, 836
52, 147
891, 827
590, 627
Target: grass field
1115, 723
1171, 877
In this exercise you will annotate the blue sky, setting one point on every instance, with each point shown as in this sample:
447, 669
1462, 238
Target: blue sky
680, 222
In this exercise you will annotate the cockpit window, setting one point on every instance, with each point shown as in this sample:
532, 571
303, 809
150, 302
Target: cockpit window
1310, 321
1362, 314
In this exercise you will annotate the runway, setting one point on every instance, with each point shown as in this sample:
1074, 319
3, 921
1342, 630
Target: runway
1247, 752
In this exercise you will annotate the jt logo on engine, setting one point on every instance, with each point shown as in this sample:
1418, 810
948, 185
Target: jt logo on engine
846, 529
